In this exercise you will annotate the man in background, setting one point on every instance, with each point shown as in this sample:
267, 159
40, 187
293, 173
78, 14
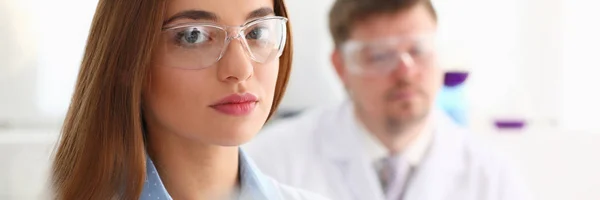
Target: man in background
386, 141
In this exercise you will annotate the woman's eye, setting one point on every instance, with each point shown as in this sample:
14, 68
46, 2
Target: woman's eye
258, 33
192, 36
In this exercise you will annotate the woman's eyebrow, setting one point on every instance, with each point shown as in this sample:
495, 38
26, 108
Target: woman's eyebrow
205, 15
261, 12
193, 15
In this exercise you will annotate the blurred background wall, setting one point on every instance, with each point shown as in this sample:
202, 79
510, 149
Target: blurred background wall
527, 59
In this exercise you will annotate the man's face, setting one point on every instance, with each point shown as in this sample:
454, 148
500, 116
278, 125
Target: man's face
392, 76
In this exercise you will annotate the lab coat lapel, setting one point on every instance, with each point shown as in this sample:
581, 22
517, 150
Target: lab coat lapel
347, 162
438, 177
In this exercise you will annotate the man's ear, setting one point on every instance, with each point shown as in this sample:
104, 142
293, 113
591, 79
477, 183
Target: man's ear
337, 60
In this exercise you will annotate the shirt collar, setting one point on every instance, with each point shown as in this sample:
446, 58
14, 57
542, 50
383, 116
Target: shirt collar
254, 184
414, 152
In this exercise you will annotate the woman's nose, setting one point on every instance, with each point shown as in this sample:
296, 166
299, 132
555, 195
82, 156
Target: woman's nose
236, 65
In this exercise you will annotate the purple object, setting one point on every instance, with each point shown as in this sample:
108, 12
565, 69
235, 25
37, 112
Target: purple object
455, 78
510, 124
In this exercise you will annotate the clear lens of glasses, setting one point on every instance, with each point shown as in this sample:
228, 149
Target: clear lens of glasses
384, 55
200, 45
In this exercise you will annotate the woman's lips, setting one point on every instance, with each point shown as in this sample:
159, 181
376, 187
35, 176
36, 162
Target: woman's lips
236, 109
236, 104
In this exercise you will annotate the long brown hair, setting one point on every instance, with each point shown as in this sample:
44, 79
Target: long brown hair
101, 154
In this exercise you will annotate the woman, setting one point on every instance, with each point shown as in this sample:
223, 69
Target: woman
167, 92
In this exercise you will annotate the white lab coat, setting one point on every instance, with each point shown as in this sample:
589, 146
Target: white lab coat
320, 151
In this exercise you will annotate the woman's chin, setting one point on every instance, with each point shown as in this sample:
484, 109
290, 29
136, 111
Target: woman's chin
234, 137
226, 132
233, 141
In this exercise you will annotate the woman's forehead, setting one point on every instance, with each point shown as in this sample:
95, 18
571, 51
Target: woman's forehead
226, 12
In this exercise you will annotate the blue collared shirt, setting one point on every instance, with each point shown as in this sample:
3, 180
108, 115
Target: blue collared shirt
254, 184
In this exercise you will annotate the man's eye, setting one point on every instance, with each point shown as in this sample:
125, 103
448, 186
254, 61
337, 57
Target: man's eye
381, 56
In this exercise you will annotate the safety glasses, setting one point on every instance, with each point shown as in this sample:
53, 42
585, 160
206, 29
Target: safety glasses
200, 45
381, 56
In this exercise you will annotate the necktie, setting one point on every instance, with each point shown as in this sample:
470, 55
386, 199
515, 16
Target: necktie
393, 173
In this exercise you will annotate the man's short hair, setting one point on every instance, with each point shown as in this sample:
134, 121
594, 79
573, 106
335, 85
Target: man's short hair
346, 13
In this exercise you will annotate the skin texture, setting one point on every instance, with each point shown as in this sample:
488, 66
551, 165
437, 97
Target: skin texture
394, 107
184, 131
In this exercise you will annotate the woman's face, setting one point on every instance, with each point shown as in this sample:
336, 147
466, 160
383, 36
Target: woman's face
194, 95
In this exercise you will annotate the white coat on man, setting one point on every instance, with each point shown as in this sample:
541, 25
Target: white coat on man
322, 151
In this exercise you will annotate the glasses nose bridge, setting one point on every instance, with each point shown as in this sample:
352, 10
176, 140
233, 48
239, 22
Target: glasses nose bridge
232, 32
